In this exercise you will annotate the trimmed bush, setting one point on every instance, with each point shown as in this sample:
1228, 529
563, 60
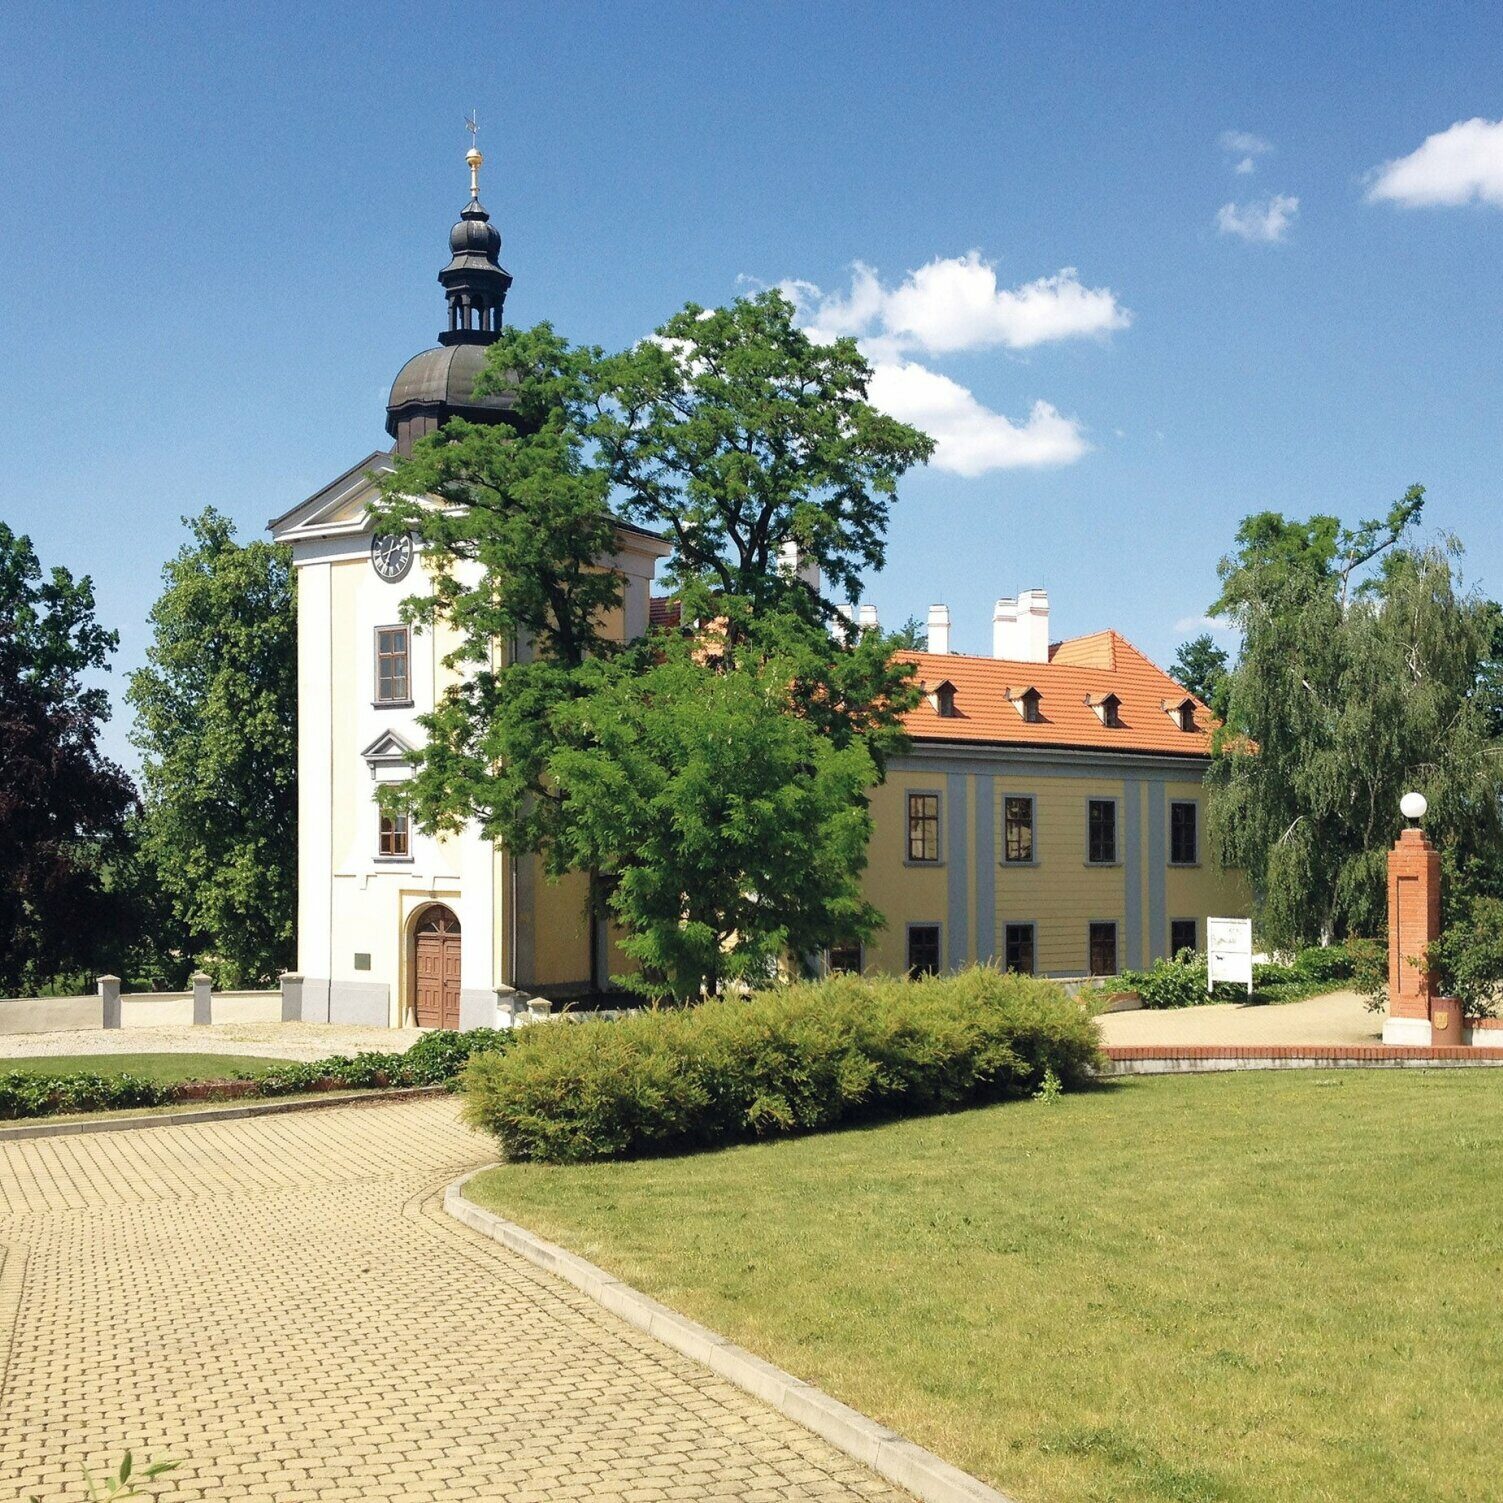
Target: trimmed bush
1181, 981
790, 1060
435, 1059
1324, 963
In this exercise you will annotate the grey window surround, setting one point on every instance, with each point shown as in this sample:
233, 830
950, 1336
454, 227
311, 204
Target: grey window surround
939, 944
1193, 803
1033, 830
1033, 942
406, 701
1116, 804
939, 823
1116, 929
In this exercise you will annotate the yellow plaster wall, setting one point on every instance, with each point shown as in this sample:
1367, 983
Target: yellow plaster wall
904, 894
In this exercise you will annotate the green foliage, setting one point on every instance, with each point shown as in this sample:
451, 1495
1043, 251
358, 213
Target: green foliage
126, 1480
64, 807
216, 722
736, 436
435, 1059
1468, 957
727, 829
793, 1059
1180, 980
1349, 690
1369, 970
1201, 666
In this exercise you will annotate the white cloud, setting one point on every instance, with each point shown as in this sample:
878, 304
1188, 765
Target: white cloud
1217, 624
1453, 166
1246, 147
1266, 220
954, 303
970, 438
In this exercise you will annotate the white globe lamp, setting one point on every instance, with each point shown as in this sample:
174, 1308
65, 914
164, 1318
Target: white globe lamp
1412, 806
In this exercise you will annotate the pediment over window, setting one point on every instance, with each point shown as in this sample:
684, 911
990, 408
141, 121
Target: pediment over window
387, 751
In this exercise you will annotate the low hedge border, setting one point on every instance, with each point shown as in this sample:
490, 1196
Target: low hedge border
1180, 980
789, 1060
435, 1059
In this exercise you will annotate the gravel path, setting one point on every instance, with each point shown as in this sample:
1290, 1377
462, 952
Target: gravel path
261, 1040
1336, 1018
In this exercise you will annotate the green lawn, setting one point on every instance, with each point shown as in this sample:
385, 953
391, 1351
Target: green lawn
163, 1067
1235, 1287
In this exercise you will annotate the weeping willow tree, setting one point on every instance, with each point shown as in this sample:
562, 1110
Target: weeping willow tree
1362, 674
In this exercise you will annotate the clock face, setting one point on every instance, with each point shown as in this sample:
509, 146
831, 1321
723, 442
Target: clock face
391, 555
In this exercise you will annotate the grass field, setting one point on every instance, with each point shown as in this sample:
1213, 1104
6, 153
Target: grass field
163, 1067
1237, 1287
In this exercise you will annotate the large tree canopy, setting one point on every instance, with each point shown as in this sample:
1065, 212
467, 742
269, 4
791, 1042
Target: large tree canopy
1359, 678
743, 442
64, 807
216, 722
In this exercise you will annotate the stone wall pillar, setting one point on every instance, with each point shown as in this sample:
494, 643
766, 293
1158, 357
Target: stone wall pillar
292, 997
203, 993
1413, 922
109, 1001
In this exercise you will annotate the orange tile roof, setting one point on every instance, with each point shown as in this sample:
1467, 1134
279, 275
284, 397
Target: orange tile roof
1078, 670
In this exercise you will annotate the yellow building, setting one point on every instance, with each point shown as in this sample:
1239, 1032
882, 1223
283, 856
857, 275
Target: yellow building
1050, 816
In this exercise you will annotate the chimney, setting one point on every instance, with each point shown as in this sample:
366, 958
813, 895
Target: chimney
866, 619
791, 561
1020, 628
939, 628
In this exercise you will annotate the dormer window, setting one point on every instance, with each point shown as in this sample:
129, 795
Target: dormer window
1181, 712
1026, 702
942, 698
1107, 708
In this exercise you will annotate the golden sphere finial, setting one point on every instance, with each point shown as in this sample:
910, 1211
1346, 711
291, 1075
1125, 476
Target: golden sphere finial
473, 157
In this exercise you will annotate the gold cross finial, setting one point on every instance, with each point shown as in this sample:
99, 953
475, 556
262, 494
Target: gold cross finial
472, 156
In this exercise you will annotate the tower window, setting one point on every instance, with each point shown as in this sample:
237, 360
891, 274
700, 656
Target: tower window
395, 838
393, 666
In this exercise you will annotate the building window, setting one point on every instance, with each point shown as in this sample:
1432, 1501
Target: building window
1103, 949
923, 827
1183, 935
1101, 831
1017, 951
923, 949
1017, 829
844, 959
393, 676
395, 839
1183, 848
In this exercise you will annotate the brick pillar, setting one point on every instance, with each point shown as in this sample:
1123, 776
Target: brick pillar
1413, 921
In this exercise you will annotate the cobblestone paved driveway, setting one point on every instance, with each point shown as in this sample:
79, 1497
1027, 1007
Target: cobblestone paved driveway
281, 1302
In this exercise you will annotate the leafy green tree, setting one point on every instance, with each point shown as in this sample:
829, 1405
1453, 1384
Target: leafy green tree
216, 722
64, 807
1201, 666
737, 436
911, 636
728, 829
1357, 680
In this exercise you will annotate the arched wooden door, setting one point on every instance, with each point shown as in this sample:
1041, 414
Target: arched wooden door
436, 969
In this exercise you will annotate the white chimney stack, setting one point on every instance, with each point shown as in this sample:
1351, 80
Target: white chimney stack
939, 628
792, 562
1020, 628
867, 618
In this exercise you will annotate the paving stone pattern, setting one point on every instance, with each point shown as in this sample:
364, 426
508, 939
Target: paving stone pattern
281, 1302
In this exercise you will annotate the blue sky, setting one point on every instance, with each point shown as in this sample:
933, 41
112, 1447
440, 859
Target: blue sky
220, 230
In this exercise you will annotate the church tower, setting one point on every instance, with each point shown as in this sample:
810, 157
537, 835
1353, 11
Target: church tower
439, 383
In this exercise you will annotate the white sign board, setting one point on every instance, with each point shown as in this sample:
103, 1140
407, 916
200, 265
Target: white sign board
1229, 952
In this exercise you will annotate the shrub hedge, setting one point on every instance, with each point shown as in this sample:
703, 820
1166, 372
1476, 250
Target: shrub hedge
1180, 981
794, 1059
435, 1059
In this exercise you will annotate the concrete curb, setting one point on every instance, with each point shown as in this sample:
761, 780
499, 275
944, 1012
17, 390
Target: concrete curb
885, 1451
43, 1128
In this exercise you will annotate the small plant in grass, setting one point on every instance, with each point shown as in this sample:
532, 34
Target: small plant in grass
125, 1481
1050, 1090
